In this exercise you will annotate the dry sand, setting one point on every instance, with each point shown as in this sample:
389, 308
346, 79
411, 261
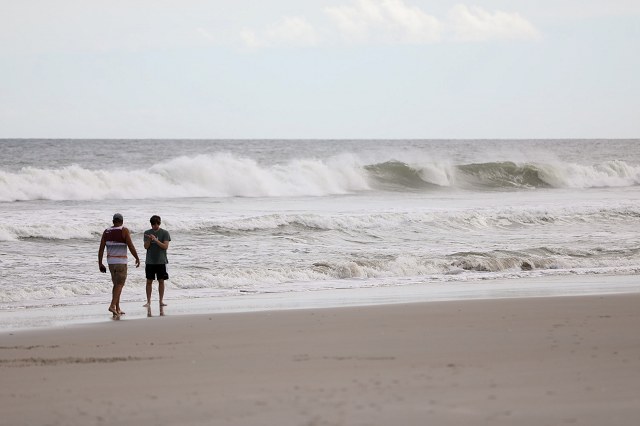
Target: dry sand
535, 361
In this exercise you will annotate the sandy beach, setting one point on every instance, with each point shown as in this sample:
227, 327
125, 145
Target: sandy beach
528, 361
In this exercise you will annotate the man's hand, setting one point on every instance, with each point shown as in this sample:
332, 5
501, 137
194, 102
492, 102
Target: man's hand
137, 263
102, 268
153, 237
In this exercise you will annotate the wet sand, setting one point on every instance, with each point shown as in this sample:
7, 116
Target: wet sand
529, 361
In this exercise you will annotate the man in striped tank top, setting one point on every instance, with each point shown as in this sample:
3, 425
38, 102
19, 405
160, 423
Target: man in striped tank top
116, 239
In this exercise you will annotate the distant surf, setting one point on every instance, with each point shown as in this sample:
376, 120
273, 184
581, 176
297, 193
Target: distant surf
229, 175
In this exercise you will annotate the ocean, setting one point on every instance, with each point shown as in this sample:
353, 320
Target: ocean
286, 216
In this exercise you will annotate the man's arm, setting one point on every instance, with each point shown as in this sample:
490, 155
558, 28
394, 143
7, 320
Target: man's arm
147, 241
103, 243
132, 249
162, 245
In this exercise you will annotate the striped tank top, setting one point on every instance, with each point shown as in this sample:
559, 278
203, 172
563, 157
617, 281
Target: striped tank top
116, 247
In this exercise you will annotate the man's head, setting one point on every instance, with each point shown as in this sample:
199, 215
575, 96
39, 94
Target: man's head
155, 222
118, 219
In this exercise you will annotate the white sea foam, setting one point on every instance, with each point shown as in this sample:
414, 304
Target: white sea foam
221, 175
608, 174
440, 173
481, 218
405, 270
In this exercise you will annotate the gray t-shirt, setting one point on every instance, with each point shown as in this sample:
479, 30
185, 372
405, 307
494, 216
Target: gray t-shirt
156, 255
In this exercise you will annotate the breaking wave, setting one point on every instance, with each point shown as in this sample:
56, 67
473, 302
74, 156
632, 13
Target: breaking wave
458, 267
505, 175
221, 175
448, 220
227, 175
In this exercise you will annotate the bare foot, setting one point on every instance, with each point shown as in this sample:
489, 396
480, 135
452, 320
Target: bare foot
120, 313
113, 311
163, 304
146, 305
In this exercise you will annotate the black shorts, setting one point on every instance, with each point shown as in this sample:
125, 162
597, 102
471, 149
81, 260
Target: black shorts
151, 271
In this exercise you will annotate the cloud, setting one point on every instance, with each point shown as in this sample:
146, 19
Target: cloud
393, 22
291, 31
388, 21
478, 25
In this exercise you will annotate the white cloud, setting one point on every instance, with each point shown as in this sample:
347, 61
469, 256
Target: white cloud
389, 21
291, 31
393, 22
479, 25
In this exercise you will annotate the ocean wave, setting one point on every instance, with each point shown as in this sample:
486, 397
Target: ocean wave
227, 175
415, 176
504, 175
222, 175
464, 218
461, 219
325, 274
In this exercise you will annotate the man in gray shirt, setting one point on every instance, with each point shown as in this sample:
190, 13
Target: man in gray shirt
156, 242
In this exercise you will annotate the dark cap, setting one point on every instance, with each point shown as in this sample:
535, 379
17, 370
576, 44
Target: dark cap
118, 218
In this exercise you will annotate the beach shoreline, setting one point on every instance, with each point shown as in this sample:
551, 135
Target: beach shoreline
544, 286
525, 361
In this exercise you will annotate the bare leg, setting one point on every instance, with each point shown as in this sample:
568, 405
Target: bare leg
161, 291
119, 291
148, 293
114, 308
118, 304
118, 300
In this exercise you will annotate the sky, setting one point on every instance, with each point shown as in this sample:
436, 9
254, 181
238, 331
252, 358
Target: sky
319, 69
